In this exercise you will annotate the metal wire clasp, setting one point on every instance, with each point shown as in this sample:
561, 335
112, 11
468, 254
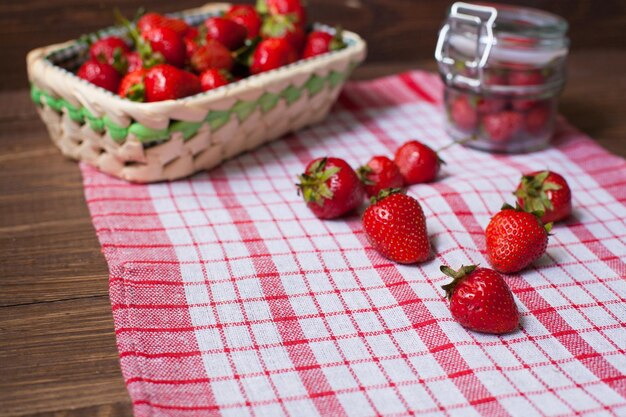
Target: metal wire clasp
468, 16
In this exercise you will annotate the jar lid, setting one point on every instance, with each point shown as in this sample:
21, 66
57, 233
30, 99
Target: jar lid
477, 35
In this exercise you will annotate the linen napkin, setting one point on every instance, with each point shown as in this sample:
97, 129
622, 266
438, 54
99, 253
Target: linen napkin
230, 298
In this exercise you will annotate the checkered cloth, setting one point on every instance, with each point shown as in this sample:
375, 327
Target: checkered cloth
230, 298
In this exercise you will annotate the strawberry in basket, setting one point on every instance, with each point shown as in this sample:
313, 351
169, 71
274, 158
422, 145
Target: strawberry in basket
244, 41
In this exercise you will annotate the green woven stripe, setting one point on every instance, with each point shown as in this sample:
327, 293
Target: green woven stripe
215, 118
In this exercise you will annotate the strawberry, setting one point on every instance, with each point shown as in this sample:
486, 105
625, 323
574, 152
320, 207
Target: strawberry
515, 239
166, 82
417, 162
132, 86
212, 55
487, 104
168, 43
134, 61
153, 20
230, 33
291, 8
319, 42
396, 227
380, 173
214, 78
525, 78
101, 74
463, 113
545, 191
502, 126
480, 300
284, 27
192, 40
111, 50
538, 119
247, 16
271, 54
330, 187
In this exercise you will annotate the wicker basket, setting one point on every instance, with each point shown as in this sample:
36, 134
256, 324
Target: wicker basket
147, 142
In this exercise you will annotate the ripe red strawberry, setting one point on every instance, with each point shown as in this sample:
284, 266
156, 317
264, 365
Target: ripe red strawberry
330, 187
515, 239
480, 300
525, 78
192, 40
538, 119
271, 54
417, 162
132, 86
291, 8
111, 50
168, 43
134, 61
380, 173
101, 74
153, 20
545, 191
319, 42
463, 113
228, 32
166, 82
214, 78
247, 16
212, 55
502, 126
490, 104
396, 227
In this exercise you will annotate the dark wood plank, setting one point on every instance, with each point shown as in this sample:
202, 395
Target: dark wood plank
59, 356
397, 30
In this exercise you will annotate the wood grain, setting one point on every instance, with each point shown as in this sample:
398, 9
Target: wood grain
58, 355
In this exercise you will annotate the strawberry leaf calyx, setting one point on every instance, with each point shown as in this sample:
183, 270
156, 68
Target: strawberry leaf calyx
533, 191
537, 213
457, 277
276, 26
313, 184
337, 42
362, 172
137, 92
386, 193
261, 7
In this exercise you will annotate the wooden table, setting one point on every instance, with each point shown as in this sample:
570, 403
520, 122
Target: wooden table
58, 355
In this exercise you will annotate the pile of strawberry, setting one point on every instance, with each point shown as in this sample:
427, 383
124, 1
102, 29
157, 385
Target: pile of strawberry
170, 59
395, 225
502, 119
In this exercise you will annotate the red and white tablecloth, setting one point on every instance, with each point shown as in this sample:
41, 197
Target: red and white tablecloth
230, 298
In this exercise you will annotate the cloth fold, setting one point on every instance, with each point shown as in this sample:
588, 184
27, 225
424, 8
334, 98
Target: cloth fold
230, 298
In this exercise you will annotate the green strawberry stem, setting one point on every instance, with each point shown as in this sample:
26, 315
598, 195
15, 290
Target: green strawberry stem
382, 194
362, 172
457, 277
149, 58
457, 142
337, 42
313, 185
533, 191
244, 54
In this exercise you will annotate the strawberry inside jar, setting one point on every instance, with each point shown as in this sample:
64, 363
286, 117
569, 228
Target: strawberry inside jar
503, 69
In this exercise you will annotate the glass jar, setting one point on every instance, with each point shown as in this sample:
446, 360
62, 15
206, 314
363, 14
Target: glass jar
503, 68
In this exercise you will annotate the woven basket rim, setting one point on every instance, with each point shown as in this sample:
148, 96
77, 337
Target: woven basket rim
355, 45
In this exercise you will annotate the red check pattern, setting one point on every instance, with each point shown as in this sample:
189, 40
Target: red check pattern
231, 299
